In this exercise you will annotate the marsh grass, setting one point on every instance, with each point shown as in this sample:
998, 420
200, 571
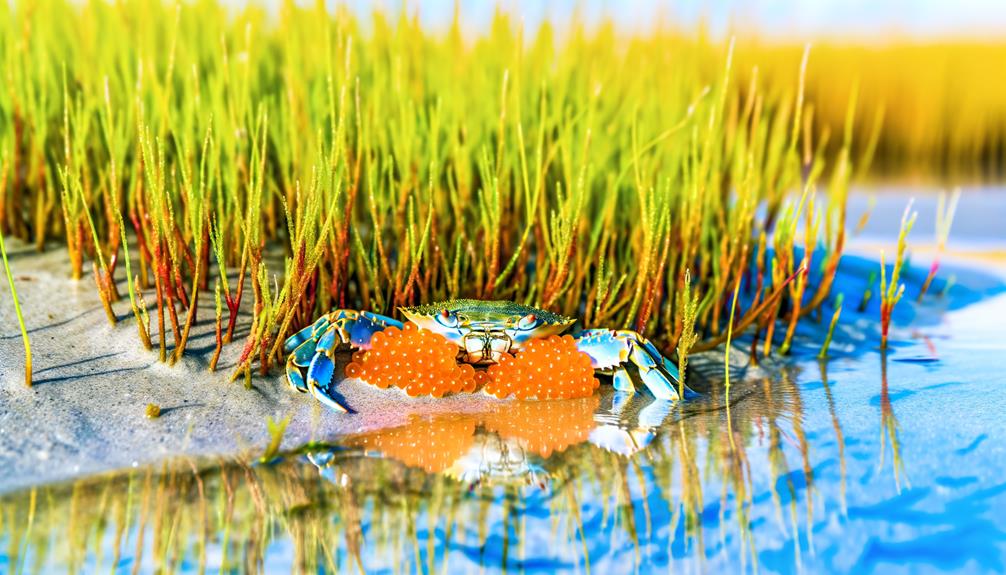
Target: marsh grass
582, 171
689, 307
942, 116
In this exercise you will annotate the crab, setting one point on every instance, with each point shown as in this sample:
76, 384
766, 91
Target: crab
483, 331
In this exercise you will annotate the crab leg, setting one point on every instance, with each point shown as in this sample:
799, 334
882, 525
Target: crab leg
355, 328
299, 359
301, 347
314, 348
310, 332
611, 350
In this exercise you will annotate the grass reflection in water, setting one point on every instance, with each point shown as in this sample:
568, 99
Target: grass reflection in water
603, 482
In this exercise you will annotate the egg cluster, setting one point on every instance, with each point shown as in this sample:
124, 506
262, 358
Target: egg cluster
550, 368
419, 361
432, 445
545, 427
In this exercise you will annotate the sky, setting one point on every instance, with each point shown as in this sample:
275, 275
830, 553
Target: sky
789, 19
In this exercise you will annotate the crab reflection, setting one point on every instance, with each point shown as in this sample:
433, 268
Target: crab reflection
509, 444
493, 459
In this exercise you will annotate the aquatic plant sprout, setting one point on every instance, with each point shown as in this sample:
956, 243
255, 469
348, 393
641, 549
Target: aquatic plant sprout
891, 292
944, 219
13, 292
831, 326
314, 160
689, 306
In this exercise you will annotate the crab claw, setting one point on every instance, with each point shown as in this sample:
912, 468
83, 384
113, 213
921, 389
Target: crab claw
652, 371
610, 351
319, 376
313, 348
294, 378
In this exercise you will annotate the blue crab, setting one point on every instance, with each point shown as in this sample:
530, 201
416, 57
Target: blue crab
483, 332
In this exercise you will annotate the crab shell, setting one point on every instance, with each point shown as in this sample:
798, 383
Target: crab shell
485, 330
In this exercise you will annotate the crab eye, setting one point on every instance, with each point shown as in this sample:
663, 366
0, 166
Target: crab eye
527, 322
447, 319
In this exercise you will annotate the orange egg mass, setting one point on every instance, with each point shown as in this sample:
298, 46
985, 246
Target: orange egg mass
545, 427
432, 445
419, 361
550, 368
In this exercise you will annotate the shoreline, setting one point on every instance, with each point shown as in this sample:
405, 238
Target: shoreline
86, 413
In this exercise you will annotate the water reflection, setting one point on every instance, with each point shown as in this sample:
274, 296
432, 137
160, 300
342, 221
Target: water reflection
610, 483
839, 436
607, 483
510, 444
889, 427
